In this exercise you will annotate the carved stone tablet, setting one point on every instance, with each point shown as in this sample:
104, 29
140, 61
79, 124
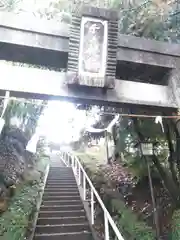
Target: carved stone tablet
92, 48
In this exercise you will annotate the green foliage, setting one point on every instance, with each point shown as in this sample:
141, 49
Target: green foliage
155, 19
15, 221
176, 225
137, 166
26, 114
31, 176
129, 224
126, 136
9, 5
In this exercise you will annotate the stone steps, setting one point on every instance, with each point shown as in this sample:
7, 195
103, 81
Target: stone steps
64, 236
61, 220
62, 215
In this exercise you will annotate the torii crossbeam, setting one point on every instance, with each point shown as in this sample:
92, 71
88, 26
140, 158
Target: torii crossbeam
138, 71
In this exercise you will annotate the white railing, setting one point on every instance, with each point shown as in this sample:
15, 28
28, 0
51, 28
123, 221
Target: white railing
82, 180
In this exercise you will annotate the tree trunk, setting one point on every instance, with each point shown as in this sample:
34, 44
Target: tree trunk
167, 180
177, 149
172, 189
171, 158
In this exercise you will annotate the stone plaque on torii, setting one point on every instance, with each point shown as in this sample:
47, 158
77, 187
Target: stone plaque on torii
99, 65
92, 47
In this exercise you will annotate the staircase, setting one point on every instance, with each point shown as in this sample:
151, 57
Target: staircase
62, 215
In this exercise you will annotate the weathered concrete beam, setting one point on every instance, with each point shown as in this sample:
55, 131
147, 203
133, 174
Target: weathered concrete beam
38, 83
47, 43
59, 29
34, 39
146, 57
153, 46
28, 23
22, 34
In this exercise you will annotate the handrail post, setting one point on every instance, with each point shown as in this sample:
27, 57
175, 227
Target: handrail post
68, 160
72, 163
84, 187
92, 207
66, 157
79, 175
106, 227
76, 166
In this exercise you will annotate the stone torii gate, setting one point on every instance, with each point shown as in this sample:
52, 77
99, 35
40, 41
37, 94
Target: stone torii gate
122, 69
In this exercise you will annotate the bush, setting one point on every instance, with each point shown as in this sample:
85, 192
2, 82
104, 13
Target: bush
129, 224
176, 225
15, 222
31, 176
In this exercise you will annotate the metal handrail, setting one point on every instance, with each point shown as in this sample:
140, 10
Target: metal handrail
78, 169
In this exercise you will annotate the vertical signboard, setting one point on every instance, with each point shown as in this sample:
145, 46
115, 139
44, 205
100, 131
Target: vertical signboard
93, 51
92, 48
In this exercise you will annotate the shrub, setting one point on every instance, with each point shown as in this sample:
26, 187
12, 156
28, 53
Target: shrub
129, 224
176, 225
15, 222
